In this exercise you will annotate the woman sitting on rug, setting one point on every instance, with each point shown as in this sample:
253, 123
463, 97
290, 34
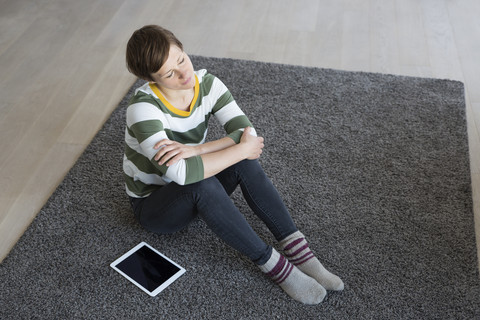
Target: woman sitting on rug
172, 175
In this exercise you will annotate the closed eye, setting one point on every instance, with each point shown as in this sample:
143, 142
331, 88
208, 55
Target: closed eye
179, 63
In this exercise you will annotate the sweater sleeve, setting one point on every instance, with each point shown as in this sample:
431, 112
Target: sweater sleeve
228, 113
145, 128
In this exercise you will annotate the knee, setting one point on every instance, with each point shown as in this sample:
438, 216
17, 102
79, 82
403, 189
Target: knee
207, 187
250, 166
250, 169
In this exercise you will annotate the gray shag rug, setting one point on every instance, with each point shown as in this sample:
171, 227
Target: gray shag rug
374, 169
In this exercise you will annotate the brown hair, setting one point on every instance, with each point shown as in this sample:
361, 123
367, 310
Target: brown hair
147, 50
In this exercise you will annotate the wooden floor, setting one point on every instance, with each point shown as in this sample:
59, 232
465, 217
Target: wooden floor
63, 72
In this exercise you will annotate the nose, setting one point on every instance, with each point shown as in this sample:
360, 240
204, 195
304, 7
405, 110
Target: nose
181, 73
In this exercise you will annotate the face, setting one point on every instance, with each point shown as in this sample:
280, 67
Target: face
177, 72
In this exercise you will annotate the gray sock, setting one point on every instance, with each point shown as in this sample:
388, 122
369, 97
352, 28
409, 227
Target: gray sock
296, 249
295, 283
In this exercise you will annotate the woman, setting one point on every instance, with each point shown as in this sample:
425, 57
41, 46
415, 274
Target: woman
172, 175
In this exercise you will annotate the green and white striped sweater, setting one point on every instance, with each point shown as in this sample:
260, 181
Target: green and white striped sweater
151, 118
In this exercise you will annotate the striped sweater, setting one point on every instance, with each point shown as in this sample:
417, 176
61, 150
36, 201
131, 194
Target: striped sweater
151, 118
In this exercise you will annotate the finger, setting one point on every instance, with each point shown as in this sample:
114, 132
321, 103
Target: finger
160, 153
173, 160
164, 158
163, 151
169, 156
158, 156
162, 143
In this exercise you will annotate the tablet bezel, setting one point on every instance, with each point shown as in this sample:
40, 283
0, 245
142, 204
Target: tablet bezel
160, 288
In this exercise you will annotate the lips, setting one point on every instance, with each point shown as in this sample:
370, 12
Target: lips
187, 81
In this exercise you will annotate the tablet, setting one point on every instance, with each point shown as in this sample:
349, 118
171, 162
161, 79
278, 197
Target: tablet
148, 269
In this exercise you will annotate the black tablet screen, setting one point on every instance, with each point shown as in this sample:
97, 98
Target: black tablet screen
147, 268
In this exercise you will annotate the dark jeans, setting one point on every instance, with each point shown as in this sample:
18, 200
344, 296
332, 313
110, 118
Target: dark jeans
173, 207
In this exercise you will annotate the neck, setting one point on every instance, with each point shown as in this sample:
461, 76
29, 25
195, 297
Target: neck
180, 99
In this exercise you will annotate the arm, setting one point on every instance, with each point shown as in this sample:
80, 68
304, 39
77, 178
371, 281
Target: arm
171, 151
250, 147
216, 155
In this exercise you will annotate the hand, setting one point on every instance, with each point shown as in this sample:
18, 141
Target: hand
172, 151
253, 145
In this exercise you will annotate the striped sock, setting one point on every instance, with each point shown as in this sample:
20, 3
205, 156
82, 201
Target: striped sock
296, 284
296, 249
